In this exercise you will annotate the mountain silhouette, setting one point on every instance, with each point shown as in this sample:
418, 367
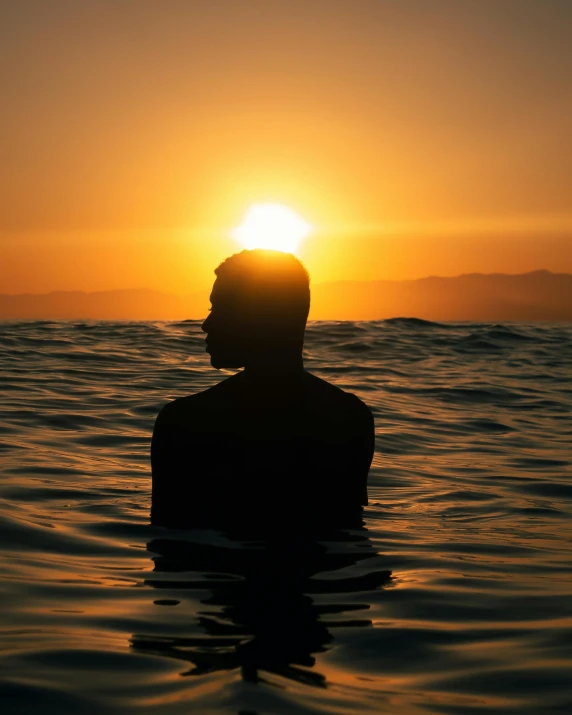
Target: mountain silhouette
133, 304
538, 295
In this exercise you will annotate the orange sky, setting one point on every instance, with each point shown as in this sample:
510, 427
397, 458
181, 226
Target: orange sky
418, 137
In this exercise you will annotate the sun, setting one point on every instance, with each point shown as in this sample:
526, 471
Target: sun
271, 226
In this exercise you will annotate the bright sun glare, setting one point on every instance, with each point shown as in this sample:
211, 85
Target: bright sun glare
271, 226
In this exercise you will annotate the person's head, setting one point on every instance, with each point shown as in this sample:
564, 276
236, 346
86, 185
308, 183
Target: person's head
260, 302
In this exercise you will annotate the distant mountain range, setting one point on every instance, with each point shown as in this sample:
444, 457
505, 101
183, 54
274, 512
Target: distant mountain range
539, 295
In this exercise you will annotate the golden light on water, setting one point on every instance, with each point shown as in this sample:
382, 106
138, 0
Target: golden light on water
271, 226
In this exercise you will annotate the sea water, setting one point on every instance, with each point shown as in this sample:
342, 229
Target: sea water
455, 597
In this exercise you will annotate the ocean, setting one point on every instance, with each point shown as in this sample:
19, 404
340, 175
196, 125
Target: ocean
454, 598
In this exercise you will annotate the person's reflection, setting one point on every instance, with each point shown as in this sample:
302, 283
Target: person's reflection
270, 607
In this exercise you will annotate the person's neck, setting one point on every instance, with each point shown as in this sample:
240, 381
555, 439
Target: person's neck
283, 369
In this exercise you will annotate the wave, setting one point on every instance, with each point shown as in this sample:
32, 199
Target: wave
470, 506
413, 323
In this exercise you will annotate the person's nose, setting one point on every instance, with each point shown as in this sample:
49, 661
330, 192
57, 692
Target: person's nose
205, 325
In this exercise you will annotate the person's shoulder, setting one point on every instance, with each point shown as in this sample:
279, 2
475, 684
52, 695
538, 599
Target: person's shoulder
335, 401
198, 405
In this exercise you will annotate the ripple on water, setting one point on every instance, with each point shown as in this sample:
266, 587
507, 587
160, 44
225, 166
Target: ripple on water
455, 597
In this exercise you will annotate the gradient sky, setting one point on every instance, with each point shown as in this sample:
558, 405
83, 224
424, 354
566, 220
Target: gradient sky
419, 137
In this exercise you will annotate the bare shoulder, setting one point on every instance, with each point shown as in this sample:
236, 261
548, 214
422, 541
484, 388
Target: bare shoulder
192, 409
330, 399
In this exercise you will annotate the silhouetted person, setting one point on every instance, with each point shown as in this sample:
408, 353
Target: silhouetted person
273, 445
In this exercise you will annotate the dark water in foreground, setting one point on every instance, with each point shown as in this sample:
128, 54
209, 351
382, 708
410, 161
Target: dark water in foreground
455, 598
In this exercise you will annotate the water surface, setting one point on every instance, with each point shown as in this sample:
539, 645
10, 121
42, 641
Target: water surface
455, 597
